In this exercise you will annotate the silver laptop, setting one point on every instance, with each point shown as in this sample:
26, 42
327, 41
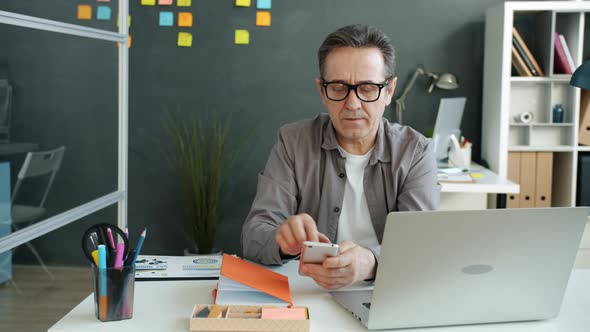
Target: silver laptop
466, 267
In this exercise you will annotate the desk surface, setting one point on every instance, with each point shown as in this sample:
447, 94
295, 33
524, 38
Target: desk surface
166, 306
14, 148
489, 182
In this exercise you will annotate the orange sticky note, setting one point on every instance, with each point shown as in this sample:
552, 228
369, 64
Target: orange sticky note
242, 37
128, 42
148, 2
284, 313
185, 39
183, 3
165, 2
185, 19
243, 3
262, 19
84, 12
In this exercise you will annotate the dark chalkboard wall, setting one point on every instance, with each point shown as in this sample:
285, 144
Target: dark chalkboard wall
263, 85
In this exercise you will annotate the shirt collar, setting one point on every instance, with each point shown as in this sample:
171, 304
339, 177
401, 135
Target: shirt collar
381, 152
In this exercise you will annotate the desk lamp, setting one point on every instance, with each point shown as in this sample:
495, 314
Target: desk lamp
581, 76
445, 81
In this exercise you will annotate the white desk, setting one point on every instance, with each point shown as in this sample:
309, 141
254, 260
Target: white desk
166, 306
474, 196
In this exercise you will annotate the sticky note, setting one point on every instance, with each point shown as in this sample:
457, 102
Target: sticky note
243, 3
165, 2
128, 20
264, 4
262, 19
103, 0
284, 313
183, 3
84, 12
476, 175
166, 19
128, 42
103, 13
148, 2
185, 19
185, 39
242, 37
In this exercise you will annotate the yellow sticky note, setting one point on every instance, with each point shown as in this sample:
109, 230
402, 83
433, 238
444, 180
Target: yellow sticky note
183, 3
185, 19
262, 19
243, 3
84, 12
242, 37
128, 21
148, 2
476, 175
185, 39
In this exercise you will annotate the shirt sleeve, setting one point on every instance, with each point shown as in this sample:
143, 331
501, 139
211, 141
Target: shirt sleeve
275, 201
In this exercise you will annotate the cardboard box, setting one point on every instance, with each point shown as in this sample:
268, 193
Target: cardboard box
242, 318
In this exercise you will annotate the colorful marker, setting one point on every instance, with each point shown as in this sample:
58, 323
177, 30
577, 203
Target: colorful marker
139, 245
119, 256
111, 240
102, 282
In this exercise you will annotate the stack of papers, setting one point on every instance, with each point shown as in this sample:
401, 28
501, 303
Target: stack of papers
149, 267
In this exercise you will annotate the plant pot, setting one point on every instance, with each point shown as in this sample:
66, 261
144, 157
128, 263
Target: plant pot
214, 252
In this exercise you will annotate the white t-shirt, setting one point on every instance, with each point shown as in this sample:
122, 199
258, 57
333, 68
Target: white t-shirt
355, 222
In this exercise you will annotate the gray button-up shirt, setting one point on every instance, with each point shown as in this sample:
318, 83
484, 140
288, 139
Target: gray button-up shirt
305, 173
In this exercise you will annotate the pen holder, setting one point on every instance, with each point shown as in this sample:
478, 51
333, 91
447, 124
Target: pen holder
460, 158
113, 293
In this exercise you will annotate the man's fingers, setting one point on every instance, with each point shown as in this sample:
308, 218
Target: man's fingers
345, 246
310, 230
342, 260
323, 238
314, 270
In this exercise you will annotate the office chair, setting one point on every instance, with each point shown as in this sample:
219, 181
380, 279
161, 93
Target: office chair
36, 164
5, 110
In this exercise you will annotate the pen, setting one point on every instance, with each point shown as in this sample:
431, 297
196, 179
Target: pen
111, 240
95, 256
139, 245
102, 282
93, 240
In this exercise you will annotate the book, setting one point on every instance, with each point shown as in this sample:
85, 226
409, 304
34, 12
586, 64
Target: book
151, 267
242, 282
560, 64
524, 58
568, 54
527, 52
519, 64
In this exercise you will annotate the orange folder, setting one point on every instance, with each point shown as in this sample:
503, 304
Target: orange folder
257, 277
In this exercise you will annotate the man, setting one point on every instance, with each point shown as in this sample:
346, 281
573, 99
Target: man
336, 177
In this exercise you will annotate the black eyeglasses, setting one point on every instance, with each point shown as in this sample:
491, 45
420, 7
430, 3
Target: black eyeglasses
367, 92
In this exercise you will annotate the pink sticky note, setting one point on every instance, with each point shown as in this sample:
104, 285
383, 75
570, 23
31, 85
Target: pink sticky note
284, 313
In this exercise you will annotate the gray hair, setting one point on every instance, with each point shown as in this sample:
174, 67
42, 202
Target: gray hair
359, 36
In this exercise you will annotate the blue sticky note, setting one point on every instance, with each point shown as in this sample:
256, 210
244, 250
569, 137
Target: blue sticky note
166, 19
103, 13
264, 4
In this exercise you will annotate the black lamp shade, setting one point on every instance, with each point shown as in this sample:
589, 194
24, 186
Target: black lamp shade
581, 77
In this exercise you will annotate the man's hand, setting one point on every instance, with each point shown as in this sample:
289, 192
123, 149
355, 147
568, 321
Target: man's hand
353, 264
292, 233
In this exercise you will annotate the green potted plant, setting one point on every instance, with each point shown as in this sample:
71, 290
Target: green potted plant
199, 155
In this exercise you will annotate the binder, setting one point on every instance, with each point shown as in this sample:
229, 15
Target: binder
519, 64
544, 175
584, 130
528, 166
524, 57
568, 53
526, 50
560, 64
513, 200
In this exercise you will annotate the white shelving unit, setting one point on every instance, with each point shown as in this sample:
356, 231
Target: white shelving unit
505, 96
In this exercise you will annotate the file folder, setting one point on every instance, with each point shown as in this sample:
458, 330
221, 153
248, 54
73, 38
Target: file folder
513, 200
528, 166
544, 175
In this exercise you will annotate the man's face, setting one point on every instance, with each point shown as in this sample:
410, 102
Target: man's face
356, 121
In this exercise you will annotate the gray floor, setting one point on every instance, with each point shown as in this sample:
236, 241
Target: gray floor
34, 302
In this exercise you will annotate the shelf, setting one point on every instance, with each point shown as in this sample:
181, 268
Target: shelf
544, 79
584, 148
568, 124
542, 148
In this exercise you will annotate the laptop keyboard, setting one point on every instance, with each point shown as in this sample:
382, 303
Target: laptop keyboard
367, 304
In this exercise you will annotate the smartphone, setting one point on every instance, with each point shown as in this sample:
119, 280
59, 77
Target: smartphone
316, 252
